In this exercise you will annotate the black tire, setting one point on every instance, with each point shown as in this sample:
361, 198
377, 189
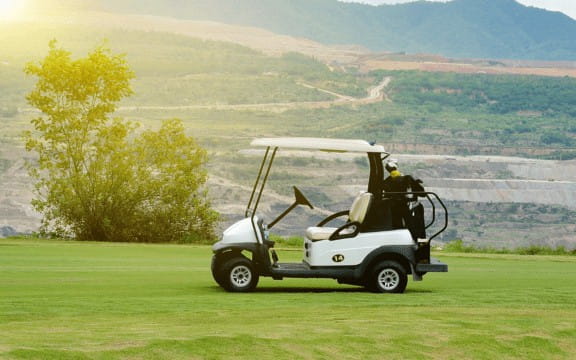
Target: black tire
388, 277
217, 262
238, 275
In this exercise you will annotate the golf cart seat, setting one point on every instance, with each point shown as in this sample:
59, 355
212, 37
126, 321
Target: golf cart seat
356, 216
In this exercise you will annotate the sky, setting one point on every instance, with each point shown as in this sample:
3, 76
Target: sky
568, 7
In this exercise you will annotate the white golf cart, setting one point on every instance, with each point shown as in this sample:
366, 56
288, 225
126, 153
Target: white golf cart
369, 250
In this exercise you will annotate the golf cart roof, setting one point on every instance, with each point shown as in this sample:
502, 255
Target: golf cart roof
322, 144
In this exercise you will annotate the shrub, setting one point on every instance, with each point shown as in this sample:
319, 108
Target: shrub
98, 180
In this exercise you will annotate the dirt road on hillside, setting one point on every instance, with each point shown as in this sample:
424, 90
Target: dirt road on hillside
374, 94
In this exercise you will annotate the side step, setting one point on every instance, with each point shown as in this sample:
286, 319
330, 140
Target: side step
302, 270
434, 266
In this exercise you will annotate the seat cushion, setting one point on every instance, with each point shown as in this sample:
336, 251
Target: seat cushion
323, 233
319, 233
360, 207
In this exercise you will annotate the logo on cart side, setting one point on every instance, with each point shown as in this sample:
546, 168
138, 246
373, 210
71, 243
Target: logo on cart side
338, 258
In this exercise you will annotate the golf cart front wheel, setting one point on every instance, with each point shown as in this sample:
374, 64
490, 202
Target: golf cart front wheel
388, 277
238, 275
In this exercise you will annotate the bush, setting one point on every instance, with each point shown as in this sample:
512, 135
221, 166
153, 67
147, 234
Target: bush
96, 178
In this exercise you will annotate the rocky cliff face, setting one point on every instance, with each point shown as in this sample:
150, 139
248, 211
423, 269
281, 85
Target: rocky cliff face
561, 193
16, 212
493, 200
496, 201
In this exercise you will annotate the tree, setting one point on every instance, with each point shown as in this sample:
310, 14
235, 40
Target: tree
96, 178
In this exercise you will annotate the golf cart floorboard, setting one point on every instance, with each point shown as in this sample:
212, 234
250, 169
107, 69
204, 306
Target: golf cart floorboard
303, 270
434, 266
292, 266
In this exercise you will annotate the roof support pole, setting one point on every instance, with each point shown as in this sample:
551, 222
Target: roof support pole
257, 181
376, 174
264, 181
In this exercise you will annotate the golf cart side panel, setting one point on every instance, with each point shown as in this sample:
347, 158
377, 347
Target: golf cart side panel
221, 247
352, 251
241, 232
401, 253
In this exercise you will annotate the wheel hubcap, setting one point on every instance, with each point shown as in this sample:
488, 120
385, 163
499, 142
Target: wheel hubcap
241, 276
388, 279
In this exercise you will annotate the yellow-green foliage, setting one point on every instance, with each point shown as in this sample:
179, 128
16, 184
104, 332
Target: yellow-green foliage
97, 180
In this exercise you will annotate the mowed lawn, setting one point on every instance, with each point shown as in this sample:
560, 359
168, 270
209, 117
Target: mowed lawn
71, 300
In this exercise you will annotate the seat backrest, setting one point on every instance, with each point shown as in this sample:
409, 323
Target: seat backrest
360, 207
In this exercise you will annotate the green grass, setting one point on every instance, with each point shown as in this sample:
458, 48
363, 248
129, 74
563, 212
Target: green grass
458, 246
69, 300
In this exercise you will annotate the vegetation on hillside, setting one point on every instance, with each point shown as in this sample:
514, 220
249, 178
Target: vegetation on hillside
497, 29
497, 94
465, 132
458, 246
177, 70
539, 105
96, 180
467, 111
464, 112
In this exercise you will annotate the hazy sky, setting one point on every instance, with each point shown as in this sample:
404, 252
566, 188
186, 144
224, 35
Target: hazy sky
566, 6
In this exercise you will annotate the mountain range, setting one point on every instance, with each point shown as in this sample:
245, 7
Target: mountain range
493, 29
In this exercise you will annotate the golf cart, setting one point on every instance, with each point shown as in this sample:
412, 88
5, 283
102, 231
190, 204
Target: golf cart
368, 250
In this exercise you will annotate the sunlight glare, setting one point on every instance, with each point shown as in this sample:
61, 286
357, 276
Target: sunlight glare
10, 9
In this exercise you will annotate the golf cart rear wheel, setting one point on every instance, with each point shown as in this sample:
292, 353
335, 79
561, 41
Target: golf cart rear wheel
238, 275
388, 277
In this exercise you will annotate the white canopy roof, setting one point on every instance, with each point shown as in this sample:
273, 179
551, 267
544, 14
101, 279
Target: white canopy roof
336, 145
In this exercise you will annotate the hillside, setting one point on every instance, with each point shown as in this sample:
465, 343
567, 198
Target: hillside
175, 69
209, 81
227, 94
461, 28
341, 57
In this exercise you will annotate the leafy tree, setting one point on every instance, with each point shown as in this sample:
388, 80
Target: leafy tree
96, 178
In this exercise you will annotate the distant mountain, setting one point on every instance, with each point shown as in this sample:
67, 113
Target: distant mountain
461, 28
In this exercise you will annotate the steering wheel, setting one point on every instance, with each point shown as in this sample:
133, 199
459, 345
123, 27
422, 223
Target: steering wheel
301, 199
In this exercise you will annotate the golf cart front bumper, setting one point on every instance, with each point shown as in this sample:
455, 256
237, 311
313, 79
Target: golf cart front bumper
434, 266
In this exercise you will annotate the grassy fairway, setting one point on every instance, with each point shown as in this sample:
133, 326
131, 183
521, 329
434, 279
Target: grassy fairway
67, 300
